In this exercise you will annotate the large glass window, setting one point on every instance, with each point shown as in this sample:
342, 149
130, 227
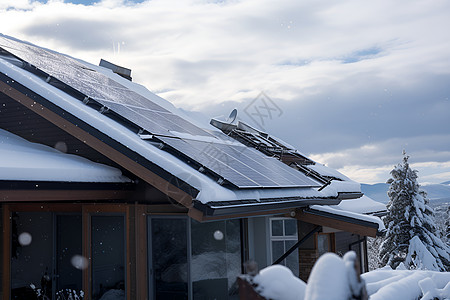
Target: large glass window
42, 247
193, 260
169, 268
108, 257
283, 235
47, 255
216, 258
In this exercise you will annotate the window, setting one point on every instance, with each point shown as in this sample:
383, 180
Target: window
283, 235
193, 260
42, 246
59, 248
108, 256
323, 243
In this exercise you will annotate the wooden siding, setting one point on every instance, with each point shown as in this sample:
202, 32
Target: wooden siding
17, 119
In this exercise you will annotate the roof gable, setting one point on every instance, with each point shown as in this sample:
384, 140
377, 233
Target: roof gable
117, 118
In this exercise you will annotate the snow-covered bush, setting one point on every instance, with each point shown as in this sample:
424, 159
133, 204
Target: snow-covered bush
338, 275
388, 284
333, 277
337, 278
279, 283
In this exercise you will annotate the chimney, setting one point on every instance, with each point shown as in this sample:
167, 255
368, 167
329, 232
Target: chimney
124, 72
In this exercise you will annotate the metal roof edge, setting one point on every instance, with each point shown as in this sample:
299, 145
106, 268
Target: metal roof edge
251, 206
349, 195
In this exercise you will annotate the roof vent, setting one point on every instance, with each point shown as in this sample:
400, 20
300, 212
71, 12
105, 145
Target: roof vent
124, 72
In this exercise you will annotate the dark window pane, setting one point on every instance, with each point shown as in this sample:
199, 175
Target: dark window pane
277, 227
323, 243
68, 243
108, 256
31, 254
290, 227
169, 259
292, 259
277, 250
216, 258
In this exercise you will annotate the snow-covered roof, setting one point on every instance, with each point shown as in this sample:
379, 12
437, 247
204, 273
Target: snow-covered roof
210, 191
25, 161
363, 205
349, 214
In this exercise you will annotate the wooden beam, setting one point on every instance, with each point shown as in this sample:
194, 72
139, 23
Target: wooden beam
141, 253
199, 216
335, 223
60, 195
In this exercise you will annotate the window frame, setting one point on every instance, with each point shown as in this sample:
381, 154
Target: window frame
283, 238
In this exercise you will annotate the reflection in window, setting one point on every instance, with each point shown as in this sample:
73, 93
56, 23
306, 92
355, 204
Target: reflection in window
216, 259
277, 227
32, 260
108, 257
323, 243
169, 258
42, 246
283, 237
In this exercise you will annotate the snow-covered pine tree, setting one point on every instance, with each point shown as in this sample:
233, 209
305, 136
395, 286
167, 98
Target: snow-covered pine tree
410, 236
447, 227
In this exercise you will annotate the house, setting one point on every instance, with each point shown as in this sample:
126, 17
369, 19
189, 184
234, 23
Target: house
107, 188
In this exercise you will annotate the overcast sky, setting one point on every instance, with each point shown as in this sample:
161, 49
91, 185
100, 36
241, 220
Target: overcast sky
349, 83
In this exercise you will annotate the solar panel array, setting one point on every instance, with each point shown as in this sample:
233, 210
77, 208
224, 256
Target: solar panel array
242, 166
133, 106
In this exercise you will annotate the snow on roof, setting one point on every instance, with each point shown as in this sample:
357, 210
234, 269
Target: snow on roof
338, 211
363, 205
23, 160
209, 189
326, 171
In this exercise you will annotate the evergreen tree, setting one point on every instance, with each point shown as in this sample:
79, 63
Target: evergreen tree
447, 226
410, 236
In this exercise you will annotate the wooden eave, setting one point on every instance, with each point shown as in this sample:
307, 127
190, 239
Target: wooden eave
32, 191
344, 223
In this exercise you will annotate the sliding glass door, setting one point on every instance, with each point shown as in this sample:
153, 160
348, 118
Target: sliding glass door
42, 247
57, 250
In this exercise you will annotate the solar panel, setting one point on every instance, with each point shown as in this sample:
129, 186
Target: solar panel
147, 114
241, 166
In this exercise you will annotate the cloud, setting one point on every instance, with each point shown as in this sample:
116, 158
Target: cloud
356, 82
372, 163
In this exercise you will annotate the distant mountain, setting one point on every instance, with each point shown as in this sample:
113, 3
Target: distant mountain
437, 193
377, 192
